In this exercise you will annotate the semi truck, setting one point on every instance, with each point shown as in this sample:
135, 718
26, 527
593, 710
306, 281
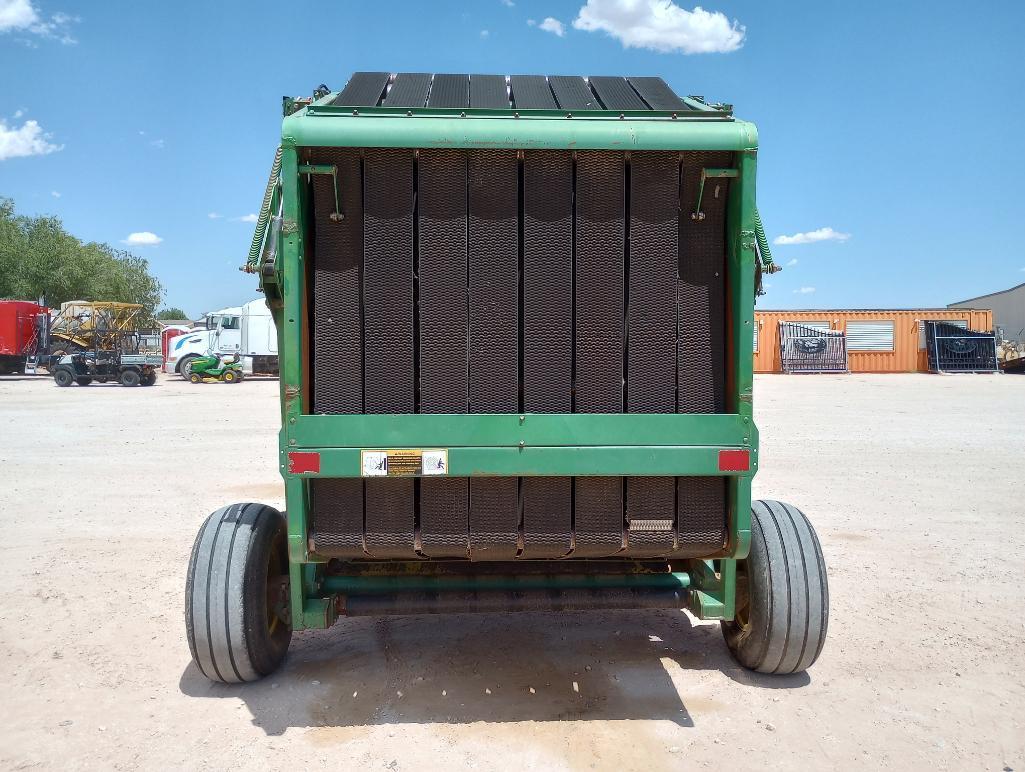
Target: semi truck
247, 330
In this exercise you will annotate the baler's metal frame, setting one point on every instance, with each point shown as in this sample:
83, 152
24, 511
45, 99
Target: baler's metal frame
510, 444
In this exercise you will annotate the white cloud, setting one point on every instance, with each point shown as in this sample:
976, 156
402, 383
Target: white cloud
18, 114
822, 234
792, 263
246, 218
17, 14
531, 23
554, 26
142, 239
28, 140
55, 193
508, 3
215, 215
484, 33
804, 291
158, 144
23, 16
661, 25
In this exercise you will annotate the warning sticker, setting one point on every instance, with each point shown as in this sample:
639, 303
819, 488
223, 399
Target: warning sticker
435, 462
404, 463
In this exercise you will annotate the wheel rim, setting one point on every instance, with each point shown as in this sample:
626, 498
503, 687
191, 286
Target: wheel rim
742, 608
277, 598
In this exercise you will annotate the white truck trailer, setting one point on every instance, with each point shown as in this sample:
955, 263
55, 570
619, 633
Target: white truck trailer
247, 330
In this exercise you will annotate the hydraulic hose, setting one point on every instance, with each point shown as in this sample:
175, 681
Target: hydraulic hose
264, 216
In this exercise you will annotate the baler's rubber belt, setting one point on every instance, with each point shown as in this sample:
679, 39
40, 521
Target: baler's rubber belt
388, 335
493, 273
547, 337
700, 516
651, 336
337, 277
599, 289
444, 525
701, 358
337, 505
701, 354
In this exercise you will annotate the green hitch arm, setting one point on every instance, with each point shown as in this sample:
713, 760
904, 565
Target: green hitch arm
252, 264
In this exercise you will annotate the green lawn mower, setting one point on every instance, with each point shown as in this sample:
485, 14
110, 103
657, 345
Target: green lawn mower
213, 368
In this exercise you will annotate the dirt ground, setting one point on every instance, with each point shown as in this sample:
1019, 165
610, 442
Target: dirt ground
914, 483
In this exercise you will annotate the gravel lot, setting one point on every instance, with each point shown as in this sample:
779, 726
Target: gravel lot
914, 483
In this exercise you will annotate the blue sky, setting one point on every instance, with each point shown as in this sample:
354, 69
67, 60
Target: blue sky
895, 126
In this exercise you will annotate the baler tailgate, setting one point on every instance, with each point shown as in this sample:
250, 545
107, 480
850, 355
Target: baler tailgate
490, 281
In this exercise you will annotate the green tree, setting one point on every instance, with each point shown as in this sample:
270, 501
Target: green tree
38, 258
171, 313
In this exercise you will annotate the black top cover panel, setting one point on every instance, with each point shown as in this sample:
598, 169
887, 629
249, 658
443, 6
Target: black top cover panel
409, 89
364, 89
450, 91
488, 92
572, 93
657, 94
615, 93
531, 92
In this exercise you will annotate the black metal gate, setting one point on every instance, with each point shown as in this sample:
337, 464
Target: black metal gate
808, 350
953, 349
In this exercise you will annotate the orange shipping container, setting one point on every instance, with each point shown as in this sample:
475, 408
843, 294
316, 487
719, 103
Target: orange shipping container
878, 341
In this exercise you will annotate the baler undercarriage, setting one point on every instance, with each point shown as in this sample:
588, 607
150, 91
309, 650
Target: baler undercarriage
515, 323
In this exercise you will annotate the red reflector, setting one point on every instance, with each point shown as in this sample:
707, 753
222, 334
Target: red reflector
734, 460
303, 462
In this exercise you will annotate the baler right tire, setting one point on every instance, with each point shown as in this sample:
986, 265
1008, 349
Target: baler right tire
236, 594
782, 594
63, 377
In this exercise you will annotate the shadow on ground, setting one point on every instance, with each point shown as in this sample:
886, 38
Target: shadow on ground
491, 667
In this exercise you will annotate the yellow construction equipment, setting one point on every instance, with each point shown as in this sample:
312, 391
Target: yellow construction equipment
86, 325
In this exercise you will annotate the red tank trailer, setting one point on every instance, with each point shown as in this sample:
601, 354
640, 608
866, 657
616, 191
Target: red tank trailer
22, 323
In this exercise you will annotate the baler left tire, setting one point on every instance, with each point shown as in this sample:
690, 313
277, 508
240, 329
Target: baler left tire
237, 617
782, 594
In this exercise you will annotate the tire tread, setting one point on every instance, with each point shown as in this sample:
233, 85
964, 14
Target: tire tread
787, 575
218, 616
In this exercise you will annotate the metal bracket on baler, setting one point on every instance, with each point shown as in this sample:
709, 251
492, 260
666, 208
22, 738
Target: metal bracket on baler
336, 215
697, 214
